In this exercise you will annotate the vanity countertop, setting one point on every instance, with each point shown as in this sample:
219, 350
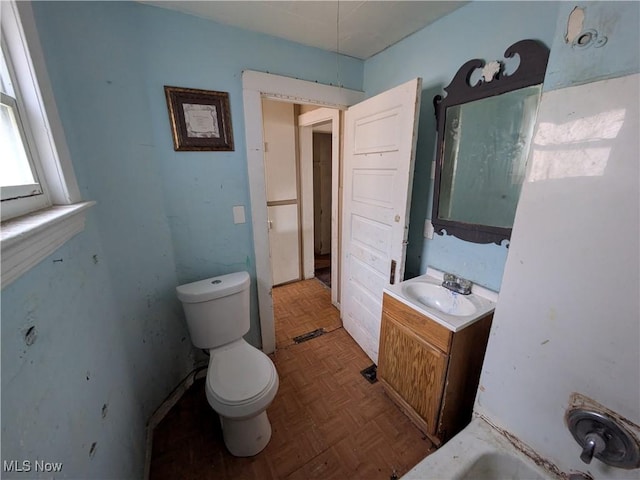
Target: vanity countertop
481, 300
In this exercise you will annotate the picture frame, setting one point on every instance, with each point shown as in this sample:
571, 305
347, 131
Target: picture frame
200, 119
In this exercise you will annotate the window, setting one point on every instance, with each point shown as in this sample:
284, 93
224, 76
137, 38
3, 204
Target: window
19, 180
40, 200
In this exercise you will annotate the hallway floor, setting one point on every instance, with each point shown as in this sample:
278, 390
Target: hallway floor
302, 307
327, 420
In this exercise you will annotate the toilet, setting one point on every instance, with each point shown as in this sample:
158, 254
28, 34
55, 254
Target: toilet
241, 380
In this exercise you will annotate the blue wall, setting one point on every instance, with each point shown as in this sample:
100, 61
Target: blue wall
478, 30
111, 341
617, 22
110, 76
110, 338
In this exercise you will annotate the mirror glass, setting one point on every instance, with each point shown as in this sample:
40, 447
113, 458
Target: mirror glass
484, 129
485, 151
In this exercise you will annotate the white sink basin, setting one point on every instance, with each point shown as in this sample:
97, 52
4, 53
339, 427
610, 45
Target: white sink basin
499, 465
426, 295
439, 298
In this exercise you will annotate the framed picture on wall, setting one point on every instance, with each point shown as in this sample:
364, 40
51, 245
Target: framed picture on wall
200, 119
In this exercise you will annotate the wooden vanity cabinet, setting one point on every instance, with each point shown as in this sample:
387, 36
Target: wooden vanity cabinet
430, 372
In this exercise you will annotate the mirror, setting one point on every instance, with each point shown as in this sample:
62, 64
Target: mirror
484, 132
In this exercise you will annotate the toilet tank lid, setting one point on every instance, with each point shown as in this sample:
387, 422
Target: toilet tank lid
212, 288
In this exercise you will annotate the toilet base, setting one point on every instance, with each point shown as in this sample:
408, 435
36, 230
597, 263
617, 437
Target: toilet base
247, 437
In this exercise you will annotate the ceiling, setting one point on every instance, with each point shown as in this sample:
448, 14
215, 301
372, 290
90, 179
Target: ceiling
365, 27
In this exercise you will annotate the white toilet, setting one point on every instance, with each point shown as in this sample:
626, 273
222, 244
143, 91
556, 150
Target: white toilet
241, 380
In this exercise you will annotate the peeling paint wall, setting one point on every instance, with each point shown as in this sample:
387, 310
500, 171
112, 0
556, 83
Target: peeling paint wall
83, 367
567, 320
93, 338
604, 43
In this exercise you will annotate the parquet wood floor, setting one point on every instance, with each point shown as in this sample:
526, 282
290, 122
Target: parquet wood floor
302, 307
328, 422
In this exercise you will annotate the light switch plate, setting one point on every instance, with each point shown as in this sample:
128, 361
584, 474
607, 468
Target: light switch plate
238, 214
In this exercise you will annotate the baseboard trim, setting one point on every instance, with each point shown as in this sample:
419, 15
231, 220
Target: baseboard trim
164, 408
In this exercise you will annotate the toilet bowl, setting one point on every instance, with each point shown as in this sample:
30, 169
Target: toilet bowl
241, 383
241, 380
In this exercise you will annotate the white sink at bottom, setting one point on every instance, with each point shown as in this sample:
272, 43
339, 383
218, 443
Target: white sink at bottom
496, 465
478, 452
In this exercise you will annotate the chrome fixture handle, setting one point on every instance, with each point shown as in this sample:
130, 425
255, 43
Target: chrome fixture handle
600, 436
594, 444
456, 284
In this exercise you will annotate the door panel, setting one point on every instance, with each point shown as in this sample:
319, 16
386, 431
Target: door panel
370, 234
367, 278
422, 384
280, 150
374, 187
379, 132
282, 190
284, 243
379, 151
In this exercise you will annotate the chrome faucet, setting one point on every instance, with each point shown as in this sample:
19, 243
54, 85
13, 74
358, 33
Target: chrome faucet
456, 284
603, 437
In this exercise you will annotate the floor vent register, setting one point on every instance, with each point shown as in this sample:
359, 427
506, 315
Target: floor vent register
309, 335
370, 373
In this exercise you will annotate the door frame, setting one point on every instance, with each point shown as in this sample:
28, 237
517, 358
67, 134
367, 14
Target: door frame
256, 85
306, 122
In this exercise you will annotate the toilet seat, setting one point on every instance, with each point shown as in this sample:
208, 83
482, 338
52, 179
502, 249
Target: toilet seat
241, 380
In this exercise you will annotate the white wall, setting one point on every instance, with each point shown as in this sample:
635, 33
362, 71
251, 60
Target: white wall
568, 315
567, 318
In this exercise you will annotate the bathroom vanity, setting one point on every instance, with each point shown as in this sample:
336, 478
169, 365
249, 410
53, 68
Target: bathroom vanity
432, 345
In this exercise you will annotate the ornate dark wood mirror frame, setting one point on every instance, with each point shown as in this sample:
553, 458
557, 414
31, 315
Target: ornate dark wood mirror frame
530, 71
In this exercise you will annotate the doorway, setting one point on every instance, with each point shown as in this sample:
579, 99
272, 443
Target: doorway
282, 185
322, 203
257, 85
319, 130
380, 140
301, 165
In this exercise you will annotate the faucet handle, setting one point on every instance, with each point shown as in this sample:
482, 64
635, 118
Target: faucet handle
450, 278
593, 445
602, 436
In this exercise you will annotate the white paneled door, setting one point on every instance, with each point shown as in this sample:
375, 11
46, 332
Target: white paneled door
379, 153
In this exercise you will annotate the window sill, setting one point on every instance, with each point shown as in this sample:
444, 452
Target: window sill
27, 240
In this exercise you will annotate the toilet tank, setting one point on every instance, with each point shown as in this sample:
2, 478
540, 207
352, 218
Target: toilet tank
217, 309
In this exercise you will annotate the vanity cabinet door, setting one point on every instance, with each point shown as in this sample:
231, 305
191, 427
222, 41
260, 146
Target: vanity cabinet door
425, 328
413, 368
